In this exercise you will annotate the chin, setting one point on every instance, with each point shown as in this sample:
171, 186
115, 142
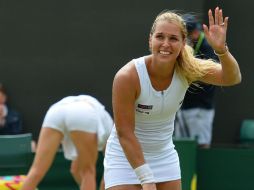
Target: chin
165, 57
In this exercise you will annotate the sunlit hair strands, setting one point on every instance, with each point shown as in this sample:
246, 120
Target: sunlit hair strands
187, 65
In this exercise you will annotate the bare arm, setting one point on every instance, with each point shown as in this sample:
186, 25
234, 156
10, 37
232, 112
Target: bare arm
125, 91
228, 72
48, 144
124, 96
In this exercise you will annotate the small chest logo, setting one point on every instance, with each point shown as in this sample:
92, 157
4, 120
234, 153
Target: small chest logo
144, 108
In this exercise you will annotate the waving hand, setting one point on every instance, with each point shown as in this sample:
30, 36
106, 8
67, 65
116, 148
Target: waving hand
216, 32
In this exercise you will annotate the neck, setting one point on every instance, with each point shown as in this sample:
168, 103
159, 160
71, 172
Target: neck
160, 70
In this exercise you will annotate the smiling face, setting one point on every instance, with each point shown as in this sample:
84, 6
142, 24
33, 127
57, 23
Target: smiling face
167, 37
166, 42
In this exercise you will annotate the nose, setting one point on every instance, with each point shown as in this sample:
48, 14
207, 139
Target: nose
166, 43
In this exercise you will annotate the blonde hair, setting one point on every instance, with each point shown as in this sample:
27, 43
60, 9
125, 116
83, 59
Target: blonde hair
187, 65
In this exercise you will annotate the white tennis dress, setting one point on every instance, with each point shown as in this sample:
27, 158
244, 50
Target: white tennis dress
154, 125
79, 113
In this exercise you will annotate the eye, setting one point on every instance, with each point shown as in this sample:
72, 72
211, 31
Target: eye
174, 39
159, 36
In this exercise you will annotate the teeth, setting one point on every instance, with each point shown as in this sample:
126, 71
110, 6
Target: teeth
164, 52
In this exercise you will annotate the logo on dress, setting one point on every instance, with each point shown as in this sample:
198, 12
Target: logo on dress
144, 108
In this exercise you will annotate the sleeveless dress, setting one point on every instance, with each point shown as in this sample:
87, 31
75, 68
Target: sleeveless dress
154, 124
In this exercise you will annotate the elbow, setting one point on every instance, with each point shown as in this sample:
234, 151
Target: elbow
125, 137
122, 136
238, 79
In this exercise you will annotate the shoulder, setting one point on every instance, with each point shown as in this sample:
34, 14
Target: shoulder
127, 73
126, 81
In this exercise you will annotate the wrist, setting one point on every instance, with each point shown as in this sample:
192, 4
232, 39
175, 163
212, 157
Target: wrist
223, 52
144, 174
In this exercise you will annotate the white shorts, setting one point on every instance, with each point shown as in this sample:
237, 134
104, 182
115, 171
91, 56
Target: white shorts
79, 116
199, 123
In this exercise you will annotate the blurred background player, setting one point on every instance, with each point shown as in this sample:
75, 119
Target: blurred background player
82, 125
195, 118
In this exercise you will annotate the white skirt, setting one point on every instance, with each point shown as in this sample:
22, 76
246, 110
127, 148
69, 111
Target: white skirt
118, 171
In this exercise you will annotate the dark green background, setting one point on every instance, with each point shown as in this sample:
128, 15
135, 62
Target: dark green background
53, 48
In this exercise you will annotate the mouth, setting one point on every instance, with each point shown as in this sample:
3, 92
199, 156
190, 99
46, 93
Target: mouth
165, 52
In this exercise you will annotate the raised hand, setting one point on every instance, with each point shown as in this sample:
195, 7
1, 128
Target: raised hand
216, 33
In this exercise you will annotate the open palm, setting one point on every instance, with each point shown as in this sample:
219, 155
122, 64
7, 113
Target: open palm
216, 33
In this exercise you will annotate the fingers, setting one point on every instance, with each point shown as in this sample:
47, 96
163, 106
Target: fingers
205, 29
220, 19
217, 19
216, 16
210, 17
226, 22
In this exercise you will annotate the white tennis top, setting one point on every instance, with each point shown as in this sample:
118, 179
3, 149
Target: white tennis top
154, 116
154, 125
155, 111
